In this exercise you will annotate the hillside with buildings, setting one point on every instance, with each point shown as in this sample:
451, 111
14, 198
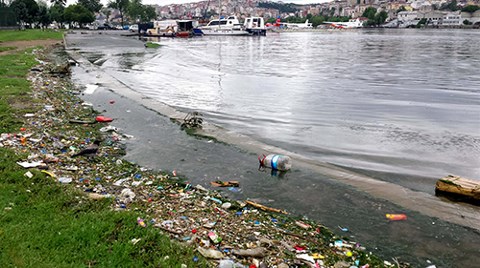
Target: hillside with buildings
401, 13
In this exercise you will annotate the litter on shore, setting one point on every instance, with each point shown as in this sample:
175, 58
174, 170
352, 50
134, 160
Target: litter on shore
241, 233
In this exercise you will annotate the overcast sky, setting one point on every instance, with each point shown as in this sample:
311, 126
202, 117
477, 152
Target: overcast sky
167, 2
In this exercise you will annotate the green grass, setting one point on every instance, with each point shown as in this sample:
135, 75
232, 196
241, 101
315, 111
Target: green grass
6, 48
13, 87
31, 34
46, 224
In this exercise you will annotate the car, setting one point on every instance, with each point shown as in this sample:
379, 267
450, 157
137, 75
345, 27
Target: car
134, 28
106, 26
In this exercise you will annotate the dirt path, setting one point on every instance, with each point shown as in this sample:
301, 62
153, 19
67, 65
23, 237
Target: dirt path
21, 45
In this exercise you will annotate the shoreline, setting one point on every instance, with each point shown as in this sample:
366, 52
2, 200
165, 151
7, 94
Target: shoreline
247, 234
460, 214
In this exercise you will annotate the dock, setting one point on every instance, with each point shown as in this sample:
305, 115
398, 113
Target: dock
459, 188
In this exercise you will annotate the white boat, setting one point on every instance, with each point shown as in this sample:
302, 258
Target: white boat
255, 26
305, 25
224, 26
351, 24
232, 26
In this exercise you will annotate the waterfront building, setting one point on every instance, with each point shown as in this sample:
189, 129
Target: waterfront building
452, 19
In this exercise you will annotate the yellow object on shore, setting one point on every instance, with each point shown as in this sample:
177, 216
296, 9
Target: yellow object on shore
49, 173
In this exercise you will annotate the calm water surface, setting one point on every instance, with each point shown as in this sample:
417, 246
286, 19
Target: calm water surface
403, 101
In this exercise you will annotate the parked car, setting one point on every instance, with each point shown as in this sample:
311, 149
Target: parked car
106, 26
134, 28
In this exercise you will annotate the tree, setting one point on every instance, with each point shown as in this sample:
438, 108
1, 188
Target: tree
59, 2
43, 15
150, 13
78, 13
135, 9
381, 17
317, 20
453, 6
470, 8
121, 5
369, 13
26, 10
56, 13
92, 5
107, 12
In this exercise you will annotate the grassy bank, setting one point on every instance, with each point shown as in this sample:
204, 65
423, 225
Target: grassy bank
47, 224
29, 34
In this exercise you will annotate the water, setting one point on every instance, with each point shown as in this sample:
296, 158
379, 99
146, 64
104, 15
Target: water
404, 101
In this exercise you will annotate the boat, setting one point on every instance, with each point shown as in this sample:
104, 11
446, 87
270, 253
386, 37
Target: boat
224, 26
255, 26
295, 26
350, 24
186, 28
232, 26
173, 28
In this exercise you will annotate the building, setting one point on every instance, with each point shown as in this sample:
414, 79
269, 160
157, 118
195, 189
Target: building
452, 19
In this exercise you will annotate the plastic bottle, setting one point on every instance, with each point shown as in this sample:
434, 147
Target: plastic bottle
210, 253
275, 161
396, 217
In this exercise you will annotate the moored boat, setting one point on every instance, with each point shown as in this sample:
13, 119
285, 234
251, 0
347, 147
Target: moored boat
232, 26
224, 26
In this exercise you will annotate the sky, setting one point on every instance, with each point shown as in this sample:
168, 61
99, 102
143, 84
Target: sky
168, 2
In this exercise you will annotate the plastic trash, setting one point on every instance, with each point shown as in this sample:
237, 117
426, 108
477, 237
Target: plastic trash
275, 162
258, 252
37, 164
65, 180
230, 264
214, 237
219, 183
141, 222
396, 217
210, 253
102, 118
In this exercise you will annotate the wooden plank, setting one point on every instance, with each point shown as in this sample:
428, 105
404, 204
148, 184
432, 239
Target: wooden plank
459, 186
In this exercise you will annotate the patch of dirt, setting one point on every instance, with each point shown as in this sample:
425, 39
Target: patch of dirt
22, 45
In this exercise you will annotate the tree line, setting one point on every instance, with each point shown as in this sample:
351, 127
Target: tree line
31, 13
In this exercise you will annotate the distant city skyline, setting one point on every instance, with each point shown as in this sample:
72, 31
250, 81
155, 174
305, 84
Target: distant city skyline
169, 2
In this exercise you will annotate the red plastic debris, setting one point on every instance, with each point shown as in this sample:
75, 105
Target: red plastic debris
102, 118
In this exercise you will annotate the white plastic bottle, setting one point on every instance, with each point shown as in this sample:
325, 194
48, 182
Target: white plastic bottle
275, 161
